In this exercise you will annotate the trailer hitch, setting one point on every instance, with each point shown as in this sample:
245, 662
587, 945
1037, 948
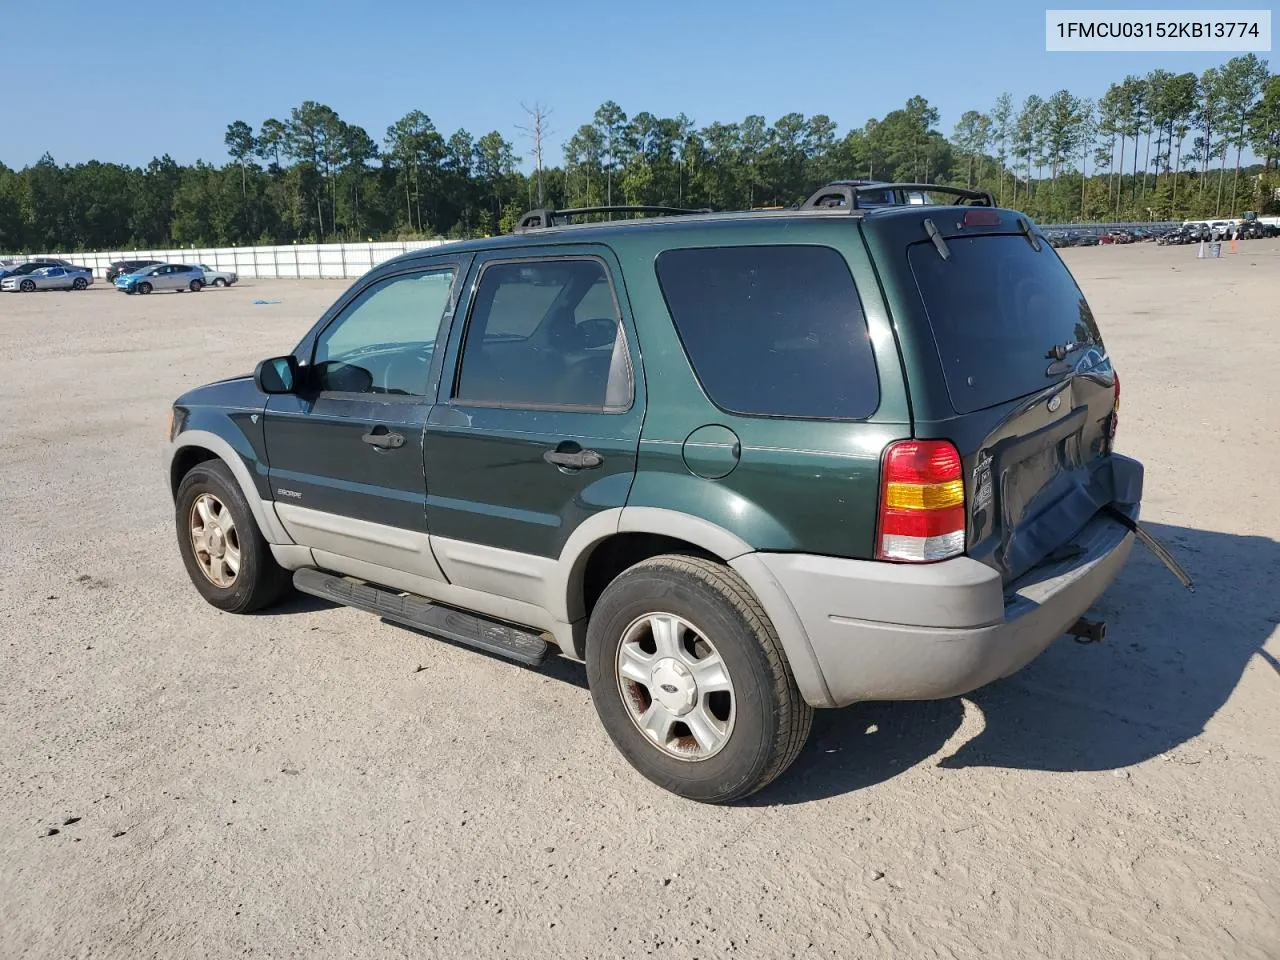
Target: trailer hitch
1152, 544
1088, 631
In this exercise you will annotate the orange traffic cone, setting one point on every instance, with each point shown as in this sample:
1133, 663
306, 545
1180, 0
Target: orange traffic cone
1233, 244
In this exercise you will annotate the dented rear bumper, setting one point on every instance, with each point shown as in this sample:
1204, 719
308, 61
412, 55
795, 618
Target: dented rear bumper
866, 630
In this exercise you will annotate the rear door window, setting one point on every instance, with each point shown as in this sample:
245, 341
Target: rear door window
997, 306
773, 331
545, 335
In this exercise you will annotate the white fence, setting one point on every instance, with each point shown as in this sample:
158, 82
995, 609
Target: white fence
295, 261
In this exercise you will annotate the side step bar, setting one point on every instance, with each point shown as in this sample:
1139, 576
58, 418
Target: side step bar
492, 636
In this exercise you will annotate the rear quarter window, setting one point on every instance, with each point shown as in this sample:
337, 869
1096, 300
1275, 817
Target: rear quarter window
773, 331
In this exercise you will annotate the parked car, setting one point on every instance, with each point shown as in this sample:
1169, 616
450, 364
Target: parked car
1087, 240
51, 262
218, 278
165, 276
49, 278
813, 509
121, 267
27, 267
1256, 230
878, 193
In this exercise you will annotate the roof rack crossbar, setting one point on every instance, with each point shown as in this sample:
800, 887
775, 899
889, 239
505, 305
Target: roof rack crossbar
846, 194
545, 218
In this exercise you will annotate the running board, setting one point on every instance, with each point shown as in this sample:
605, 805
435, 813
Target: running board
492, 636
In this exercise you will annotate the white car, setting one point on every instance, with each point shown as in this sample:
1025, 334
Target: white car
217, 278
49, 278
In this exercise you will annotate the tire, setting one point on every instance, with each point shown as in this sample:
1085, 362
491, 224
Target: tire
219, 282
196, 286
144, 288
762, 725
79, 283
257, 580
27, 286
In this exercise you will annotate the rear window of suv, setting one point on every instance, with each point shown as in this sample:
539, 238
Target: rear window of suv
773, 331
996, 307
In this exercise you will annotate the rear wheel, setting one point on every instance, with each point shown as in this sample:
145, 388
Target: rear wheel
226, 556
197, 286
690, 681
79, 283
144, 287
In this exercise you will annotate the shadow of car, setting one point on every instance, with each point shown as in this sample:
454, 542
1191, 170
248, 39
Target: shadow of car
1170, 662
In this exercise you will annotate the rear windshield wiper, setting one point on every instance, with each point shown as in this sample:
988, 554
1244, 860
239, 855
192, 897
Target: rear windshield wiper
935, 235
1060, 351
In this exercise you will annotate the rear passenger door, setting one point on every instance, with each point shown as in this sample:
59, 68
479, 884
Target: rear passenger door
538, 420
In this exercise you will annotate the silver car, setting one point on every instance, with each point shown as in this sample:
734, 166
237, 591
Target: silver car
49, 278
217, 278
162, 276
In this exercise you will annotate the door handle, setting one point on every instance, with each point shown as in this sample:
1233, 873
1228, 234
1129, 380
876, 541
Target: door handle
383, 440
578, 460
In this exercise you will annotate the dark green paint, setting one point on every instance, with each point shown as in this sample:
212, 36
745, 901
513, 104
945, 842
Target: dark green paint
477, 473
486, 479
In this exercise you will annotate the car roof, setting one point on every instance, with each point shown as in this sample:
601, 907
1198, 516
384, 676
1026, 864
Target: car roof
587, 233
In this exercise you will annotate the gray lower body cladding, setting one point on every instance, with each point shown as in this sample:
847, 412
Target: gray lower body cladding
865, 630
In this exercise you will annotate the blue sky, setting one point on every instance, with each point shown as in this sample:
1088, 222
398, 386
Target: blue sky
171, 82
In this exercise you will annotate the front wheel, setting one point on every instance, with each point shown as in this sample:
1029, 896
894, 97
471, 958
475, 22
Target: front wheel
226, 556
28, 286
196, 286
690, 680
144, 288
219, 282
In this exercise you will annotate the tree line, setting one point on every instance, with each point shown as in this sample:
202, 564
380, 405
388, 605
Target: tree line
1159, 146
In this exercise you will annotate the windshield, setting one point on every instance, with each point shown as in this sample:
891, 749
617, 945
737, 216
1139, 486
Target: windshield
997, 307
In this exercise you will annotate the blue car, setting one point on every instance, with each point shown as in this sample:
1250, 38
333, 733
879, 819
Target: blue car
162, 276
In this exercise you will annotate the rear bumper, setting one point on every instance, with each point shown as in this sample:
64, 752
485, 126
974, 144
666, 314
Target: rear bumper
864, 630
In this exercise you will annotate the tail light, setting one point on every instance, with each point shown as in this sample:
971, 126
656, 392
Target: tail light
1115, 410
921, 502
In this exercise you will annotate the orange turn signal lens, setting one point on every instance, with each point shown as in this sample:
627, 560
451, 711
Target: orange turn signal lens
923, 496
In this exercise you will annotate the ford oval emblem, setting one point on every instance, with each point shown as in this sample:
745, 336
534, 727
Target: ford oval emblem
1054, 404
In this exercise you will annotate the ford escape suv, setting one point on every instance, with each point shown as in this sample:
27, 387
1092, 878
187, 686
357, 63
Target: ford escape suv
742, 465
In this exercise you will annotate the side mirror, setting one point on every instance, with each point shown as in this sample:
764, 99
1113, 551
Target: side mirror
277, 375
598, 333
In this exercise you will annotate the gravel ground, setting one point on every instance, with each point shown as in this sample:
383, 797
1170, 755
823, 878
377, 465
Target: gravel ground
314, 783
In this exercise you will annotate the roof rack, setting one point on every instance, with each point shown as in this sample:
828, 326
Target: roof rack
845, 194
546, 218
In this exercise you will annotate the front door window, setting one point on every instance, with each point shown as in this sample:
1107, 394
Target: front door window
384, 341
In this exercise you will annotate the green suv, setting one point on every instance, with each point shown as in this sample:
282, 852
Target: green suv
743, 465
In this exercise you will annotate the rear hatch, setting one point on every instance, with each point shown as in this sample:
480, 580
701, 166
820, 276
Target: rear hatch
1004, 360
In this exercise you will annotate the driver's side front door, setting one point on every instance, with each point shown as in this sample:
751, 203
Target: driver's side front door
345, 450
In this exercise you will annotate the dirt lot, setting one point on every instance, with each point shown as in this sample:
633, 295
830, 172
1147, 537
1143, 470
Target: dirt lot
319, 784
